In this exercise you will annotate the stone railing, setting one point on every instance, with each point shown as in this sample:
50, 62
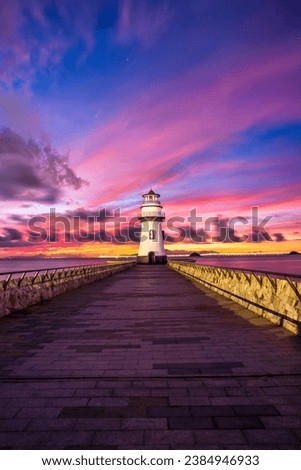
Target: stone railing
275, 296
19, 290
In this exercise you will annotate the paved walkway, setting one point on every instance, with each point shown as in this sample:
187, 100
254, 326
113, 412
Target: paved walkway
145, 360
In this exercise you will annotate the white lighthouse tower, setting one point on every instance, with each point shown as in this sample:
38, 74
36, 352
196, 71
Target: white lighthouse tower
151, 250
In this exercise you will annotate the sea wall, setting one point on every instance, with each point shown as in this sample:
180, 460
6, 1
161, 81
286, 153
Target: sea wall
277, 299
20, 291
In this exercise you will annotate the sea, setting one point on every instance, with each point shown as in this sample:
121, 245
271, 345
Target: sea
287, 264
29, 264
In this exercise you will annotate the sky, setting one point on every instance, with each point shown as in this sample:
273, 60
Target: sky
102, 100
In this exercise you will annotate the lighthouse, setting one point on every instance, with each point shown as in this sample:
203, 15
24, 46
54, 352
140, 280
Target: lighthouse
151, 250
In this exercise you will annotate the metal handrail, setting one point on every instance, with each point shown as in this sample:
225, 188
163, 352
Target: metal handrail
51, 272
252, 271
51, 269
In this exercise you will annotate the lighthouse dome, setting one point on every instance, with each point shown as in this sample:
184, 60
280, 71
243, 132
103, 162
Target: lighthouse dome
151, 202
151, 193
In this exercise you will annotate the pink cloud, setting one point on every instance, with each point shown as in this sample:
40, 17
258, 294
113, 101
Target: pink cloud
19, 113
142, 21
187, 115
79, 19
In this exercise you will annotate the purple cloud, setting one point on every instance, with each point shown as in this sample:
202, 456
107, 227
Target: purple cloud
24, 26
142, 21
33, 171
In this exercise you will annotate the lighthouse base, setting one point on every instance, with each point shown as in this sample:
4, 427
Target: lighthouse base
152, 258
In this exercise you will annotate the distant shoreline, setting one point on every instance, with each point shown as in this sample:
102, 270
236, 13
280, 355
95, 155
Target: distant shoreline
169, 255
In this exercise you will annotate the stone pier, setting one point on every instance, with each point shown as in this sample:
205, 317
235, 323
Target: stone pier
21, 290
147, 359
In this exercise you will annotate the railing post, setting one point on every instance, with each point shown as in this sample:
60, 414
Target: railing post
293, 287
21, 279
7, 281
34, 277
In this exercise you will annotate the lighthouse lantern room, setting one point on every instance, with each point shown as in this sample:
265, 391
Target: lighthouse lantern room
151, 249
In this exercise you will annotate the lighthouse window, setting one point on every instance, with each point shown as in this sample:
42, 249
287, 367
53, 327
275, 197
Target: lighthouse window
151, 234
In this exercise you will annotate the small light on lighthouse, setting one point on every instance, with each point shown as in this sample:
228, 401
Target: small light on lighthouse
151, 249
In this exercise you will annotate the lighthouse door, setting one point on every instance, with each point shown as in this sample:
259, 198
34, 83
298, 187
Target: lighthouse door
151, 257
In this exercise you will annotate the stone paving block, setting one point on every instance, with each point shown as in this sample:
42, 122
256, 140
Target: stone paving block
212, 392
97, 424
118, 438
218, 410
148, 401
79, 384
144, 423
131, 392
219, 437
67, 439
241, 422
27, 402
274, 437
8, 412
93, 392
199, 391
174, 392
184, 383
270, 400
220, 392
276, 390
17, 424
231, 400
50, 424
295, 380
111, 401
24, 440
161, 392
256, 381
189, 401
7, 394
252, 447
145, 384
169, 439
51, 393
254, 392
105, 383
297, 433
288, 446
255, 410
220, 382
234, 392
36, 412
293, 399
167, 412
60, 402
281, 422
87, 412
287, 410
191, 423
